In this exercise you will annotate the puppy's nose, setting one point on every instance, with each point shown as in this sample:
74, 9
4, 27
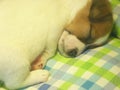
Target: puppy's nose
73, 53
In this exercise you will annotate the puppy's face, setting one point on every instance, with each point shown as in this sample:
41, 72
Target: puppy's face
90, 27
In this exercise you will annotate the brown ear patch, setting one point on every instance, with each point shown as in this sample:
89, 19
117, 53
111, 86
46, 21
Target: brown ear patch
80, 25
93, 21
101, 18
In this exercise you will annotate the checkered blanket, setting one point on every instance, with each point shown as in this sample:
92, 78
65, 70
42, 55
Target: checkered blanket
95, 69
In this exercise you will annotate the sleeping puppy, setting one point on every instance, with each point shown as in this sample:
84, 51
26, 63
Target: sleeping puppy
31, 29
90, 27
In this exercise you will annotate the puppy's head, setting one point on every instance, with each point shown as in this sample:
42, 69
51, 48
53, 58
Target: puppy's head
90, 27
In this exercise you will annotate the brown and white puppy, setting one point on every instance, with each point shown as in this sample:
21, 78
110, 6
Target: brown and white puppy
32, 28
90, 27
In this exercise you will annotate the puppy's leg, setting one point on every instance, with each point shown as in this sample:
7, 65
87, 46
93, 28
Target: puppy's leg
50, 49
26, 79
16, 74
42, 59
36, 77
49, 52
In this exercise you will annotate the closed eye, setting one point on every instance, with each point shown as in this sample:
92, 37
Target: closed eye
85, 40
68, 31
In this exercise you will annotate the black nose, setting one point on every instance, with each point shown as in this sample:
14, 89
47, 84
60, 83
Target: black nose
73, 53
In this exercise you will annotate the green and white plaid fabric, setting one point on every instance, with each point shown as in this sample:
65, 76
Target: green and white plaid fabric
95, 69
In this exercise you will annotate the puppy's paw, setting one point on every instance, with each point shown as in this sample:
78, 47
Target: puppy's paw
35, 77
43, 75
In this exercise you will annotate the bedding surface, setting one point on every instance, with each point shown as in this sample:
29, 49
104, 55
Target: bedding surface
95, 69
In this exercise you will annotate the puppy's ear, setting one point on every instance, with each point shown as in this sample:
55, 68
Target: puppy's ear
100, 17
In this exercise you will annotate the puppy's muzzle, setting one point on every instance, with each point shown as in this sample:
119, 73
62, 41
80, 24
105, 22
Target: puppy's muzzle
69, 45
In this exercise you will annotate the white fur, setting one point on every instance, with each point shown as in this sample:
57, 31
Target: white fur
101, 40
69, 42
27, 29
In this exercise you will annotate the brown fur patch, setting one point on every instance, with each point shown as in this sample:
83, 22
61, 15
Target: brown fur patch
93, 21
80, 26
101, 18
